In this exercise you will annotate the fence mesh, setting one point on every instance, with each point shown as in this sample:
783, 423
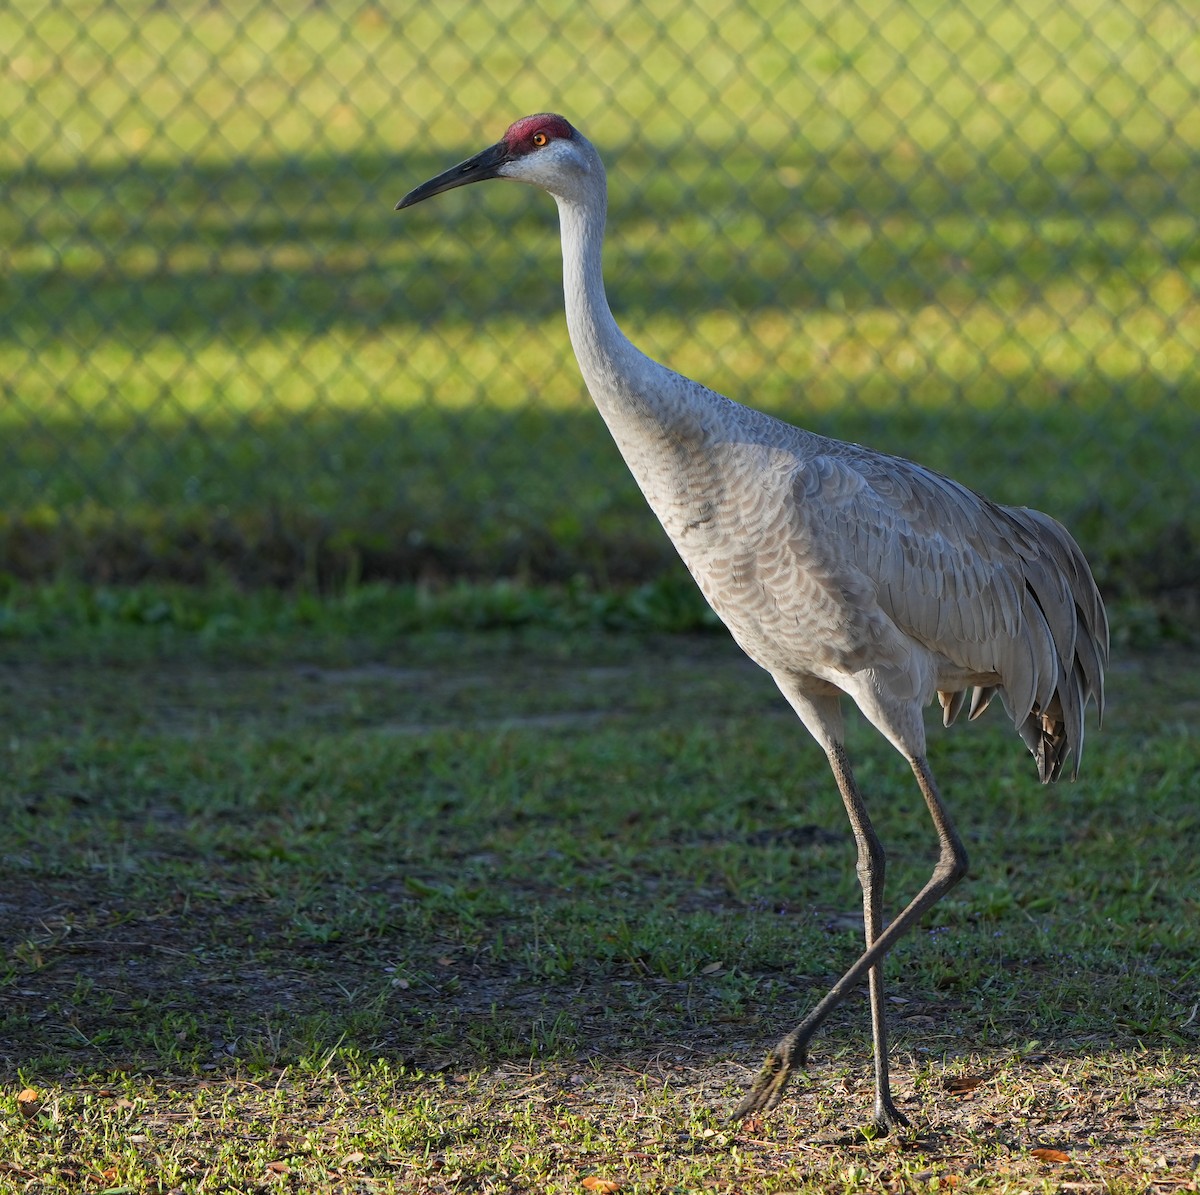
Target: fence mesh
964, 231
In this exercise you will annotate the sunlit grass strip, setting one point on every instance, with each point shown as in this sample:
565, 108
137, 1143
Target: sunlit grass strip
1104, 342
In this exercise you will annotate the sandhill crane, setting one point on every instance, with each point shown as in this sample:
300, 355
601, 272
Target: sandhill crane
838, 569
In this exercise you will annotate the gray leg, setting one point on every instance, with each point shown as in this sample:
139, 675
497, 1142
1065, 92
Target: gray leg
768, 1086
871, 868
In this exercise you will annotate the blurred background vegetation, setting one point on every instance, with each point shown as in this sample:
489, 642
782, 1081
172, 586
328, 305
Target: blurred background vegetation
958, 230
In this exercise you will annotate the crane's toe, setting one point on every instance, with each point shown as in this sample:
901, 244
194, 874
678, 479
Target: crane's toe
888, 1118
767, 1089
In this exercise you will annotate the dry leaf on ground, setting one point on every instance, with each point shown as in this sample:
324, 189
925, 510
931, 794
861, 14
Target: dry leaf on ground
602, 1186
1050, 1155
963, 1084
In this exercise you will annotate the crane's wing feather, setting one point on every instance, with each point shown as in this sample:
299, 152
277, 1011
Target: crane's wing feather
995, 590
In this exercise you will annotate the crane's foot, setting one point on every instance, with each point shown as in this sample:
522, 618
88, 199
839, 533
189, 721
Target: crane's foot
888, 1118
767, 1089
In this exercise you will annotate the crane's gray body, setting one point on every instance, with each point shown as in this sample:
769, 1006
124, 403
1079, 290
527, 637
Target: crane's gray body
838, 569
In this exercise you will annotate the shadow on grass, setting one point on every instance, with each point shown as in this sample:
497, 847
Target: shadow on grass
536, 494
97, 986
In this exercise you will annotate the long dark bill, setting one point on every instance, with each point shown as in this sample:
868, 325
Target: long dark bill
482, 166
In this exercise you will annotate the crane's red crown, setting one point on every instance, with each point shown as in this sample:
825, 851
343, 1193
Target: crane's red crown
532, 132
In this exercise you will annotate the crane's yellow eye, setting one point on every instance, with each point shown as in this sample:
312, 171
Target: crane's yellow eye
539, 139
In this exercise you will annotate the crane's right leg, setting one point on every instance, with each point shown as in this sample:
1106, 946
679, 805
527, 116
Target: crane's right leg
871, 865
821, 714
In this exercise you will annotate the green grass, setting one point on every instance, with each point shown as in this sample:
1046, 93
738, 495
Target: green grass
344, 895
223, 353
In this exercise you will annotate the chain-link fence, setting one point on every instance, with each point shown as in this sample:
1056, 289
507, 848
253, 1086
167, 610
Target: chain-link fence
960, 230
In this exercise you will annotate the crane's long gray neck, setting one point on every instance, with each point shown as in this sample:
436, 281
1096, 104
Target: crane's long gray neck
638, 398
605, 354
